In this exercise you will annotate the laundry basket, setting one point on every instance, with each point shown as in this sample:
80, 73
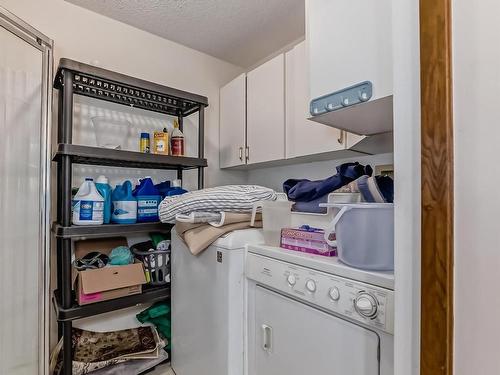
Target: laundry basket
364, 235
156, 262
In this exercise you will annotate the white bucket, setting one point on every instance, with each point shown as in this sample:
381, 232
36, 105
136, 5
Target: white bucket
364, 235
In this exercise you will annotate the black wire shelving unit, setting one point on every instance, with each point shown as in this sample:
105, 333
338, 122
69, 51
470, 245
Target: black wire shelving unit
76, 78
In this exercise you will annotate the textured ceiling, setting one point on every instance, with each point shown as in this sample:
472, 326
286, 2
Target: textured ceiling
239, 31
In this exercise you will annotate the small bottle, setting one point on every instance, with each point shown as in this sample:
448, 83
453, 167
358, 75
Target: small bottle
177, 147
144, 143
161, 142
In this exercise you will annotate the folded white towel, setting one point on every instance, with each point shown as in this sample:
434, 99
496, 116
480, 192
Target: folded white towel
230, 198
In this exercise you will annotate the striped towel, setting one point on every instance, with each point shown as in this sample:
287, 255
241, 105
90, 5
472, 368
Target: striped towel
230, 198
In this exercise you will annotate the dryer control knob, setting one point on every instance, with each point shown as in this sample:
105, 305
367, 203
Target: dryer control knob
311, 285
291, 280
334, 294
366, 305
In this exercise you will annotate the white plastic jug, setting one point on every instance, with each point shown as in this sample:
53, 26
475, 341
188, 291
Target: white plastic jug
88, 205
276, 215
364, 235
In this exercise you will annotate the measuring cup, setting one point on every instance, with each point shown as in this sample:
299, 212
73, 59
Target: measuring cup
276, 215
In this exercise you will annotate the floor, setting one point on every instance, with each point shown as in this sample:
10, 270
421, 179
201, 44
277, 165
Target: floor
162, 370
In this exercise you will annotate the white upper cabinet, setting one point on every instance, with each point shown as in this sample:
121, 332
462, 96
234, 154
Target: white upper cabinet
304, 137
232, 133
350, 42
266, 111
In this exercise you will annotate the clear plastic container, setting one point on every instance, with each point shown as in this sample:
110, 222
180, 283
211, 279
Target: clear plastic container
276, 215
364, 235
111, 133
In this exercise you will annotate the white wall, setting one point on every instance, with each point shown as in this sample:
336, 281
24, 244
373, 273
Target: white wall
88, 37
476, 79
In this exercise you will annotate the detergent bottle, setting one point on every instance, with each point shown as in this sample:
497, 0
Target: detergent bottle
103, 187
148, 199
88, 205
124, 204
176, 189
163, 188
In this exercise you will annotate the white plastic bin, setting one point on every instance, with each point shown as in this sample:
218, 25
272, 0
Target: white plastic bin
364, 235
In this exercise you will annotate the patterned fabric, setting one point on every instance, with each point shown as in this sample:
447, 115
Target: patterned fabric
230, 198
97, 350
102, 346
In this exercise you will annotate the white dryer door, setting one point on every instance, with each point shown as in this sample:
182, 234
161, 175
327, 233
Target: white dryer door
295, 339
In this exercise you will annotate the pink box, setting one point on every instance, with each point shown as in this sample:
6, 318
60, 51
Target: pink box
306, 240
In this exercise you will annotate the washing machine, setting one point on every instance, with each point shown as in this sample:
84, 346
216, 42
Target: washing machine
313, 315
208, 294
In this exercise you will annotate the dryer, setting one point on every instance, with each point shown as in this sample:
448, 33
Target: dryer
208, 305
313, 315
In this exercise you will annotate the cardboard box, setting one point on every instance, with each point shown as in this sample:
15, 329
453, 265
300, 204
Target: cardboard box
309, 241
106, 283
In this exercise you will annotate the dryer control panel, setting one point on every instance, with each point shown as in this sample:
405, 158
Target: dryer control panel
365, 303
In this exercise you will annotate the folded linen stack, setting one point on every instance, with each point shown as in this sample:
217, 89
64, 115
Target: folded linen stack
204, 215
230, 198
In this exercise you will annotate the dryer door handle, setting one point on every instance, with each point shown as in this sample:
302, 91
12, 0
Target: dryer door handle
267, 338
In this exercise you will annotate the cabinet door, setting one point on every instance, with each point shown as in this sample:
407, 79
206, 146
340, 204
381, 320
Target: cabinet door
232, 133
266, 111
296, 339
304, 137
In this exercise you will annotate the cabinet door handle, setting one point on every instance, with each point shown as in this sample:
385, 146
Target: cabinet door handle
247, 153
241, 153
340, 139
267, 338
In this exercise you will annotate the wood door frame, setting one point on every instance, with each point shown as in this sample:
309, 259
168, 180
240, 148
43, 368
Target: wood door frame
436, 348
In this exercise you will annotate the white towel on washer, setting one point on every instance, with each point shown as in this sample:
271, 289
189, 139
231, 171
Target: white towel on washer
230, 198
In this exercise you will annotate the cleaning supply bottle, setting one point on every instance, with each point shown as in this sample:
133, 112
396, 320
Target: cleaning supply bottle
88, 205
148, 199
124, 204
176, 189
161, 142
163, 188
144, 146
103, 187
177, 148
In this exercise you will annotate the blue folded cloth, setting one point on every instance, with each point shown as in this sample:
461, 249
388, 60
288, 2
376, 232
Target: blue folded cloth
307, 190
311, 206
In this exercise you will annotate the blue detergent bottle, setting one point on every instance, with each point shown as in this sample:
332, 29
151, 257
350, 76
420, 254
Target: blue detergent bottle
176, 189
148, 199
124, 204
163, 188
103, 187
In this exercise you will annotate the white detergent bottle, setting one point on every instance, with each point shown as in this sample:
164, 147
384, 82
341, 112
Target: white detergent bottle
88, 205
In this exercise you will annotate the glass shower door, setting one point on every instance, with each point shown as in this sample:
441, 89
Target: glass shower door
23, 200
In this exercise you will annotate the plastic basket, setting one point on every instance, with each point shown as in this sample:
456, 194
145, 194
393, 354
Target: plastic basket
156, 264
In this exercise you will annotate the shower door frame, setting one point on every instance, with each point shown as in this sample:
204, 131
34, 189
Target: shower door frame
21, 29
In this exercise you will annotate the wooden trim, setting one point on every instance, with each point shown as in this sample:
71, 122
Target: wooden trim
437, 188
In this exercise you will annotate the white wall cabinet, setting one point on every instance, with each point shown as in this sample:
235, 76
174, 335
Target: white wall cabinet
350, 42
304, 137
266, 111
264, 116
232, 128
